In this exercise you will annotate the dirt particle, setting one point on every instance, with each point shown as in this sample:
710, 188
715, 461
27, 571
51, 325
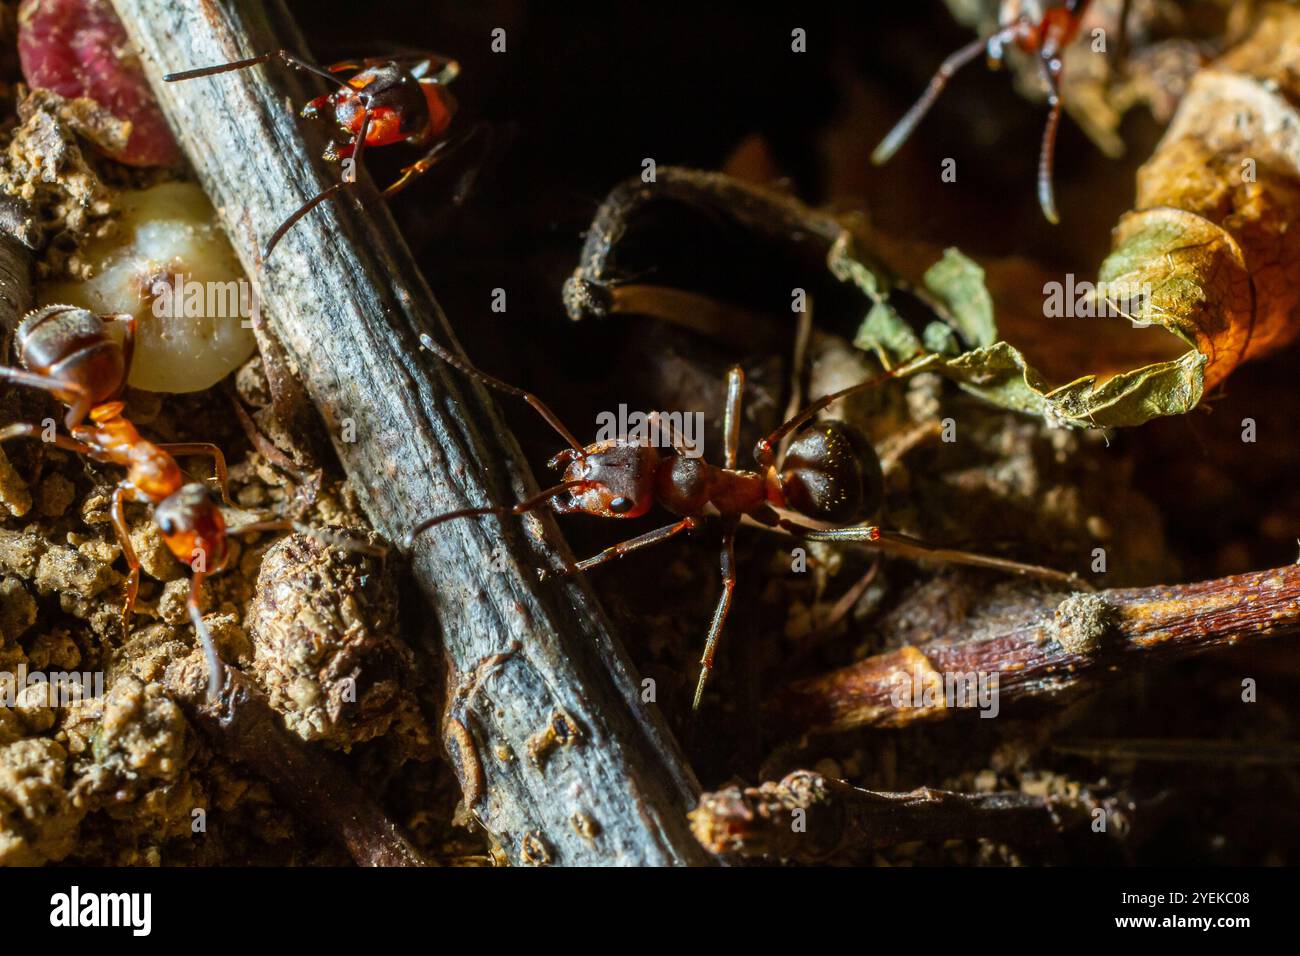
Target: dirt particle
533, 851
585, 826
561, 731
1082, 622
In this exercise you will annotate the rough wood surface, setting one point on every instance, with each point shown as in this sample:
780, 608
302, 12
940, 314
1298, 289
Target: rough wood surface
559, 759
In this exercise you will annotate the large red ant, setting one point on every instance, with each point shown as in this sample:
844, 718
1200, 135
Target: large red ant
830, 474
1043, 28
74, 355
400, 99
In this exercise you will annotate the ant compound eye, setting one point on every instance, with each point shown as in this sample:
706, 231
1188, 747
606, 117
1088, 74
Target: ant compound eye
620, 505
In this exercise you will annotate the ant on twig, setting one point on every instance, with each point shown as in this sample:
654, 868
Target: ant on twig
830, 476
1043, 28
401, 99
74, 355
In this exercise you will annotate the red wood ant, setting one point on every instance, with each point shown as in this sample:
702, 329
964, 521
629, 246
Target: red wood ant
830, 475
1043, 28
396, 100
74, 355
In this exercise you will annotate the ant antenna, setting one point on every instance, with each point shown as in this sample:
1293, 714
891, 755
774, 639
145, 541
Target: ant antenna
463, 366
216, 668
284, 55
528, 504
1046, 157
358, 146
903, 129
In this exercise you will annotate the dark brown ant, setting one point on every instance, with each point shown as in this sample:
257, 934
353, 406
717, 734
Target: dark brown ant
400, 99
74, 355
830, 475
1043, 28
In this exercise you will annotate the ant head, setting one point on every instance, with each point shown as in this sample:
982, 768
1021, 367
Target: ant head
398, 104
192, 525
618, 479
832, 473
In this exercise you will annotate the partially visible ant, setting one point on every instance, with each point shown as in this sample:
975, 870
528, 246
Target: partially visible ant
75, 355
830, 475
1043, 28
401, 99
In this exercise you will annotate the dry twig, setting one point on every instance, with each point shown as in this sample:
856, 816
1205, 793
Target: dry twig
1043, 646
807, 818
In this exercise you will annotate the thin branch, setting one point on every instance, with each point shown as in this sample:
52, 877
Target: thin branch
1043, 646
809, 818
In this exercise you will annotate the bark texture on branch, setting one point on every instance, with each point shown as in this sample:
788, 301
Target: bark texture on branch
808, 818
344, 297
1042, 646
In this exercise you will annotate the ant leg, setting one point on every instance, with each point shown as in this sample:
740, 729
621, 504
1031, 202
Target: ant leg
358, 145
305, 208
24, 430
130, 327
117, 512
320, 534
633, 544
503, 511
216, 669
437, 154
207, 450
893, 542
903, 129
283, 55
1051, 70
719, 613
731, 414
465, 368
802, 336
437, 69
78, 408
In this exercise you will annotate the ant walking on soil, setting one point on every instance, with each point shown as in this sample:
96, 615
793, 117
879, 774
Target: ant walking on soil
401, 99
1043, 28
830, 475
73, 354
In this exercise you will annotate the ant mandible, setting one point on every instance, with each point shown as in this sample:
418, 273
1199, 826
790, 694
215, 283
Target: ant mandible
74, 355
830, 474
1040, 27
401, 99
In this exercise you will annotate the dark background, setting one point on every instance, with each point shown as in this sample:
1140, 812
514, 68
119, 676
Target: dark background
583, 94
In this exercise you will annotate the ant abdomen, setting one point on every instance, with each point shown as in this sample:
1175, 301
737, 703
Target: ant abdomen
73, 346
832, 472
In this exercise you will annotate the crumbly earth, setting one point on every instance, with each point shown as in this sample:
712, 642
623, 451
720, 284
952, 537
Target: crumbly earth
119, 779
125, 778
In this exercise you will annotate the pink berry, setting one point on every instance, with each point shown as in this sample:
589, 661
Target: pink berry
79, 48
